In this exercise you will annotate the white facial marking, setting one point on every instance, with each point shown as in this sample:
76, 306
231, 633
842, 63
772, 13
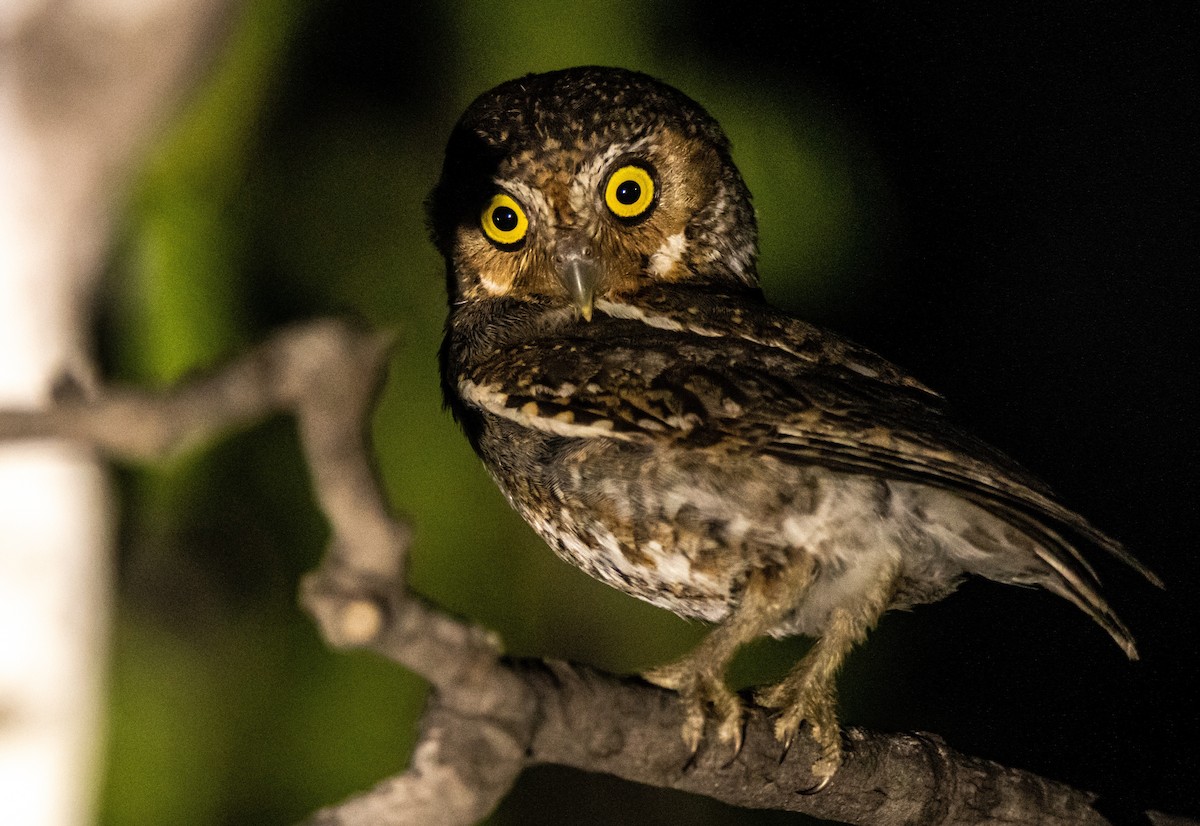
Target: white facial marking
668, 255
491, 285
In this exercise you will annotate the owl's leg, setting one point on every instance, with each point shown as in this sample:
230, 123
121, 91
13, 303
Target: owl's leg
809, 692
699, 677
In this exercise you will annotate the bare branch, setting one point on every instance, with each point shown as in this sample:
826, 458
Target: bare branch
490, 717
460, 770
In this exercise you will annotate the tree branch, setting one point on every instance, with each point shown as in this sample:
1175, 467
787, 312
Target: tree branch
490, 717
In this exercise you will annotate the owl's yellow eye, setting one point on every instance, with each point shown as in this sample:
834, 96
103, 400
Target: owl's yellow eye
629, 192
503, 220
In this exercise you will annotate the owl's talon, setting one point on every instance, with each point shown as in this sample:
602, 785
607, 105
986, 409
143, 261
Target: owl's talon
826, 767
801, 701
786, 742
693, 727
732, 730
784, 751
818, 787
699, 689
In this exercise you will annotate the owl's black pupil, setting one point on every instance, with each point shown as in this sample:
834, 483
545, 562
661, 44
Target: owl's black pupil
628, 192
504, 218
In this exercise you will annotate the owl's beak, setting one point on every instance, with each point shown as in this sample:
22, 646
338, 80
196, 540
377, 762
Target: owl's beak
578, 272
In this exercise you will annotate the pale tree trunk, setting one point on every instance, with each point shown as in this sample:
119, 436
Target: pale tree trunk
83, 85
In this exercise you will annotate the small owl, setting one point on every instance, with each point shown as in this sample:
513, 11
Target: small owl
613, 362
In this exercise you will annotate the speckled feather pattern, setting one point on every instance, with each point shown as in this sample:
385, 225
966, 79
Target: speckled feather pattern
690, 444
672, 456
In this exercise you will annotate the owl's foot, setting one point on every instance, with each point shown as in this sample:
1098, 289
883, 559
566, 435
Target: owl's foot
810, 701
700, 676
699, 690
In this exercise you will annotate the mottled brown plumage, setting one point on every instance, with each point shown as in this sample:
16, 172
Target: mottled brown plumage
662, 427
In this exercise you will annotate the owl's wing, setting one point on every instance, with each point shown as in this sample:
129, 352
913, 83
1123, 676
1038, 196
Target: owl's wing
624, 380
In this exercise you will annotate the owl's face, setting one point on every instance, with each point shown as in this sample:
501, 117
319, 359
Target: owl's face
586, 183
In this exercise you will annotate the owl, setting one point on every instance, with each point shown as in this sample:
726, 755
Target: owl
612, 360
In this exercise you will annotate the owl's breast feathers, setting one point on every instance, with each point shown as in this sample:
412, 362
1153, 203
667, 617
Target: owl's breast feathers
686, 404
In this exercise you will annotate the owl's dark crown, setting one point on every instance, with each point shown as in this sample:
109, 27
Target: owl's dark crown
551, 142
575, 105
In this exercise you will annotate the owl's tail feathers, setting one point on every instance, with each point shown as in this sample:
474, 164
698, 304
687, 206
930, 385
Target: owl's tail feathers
1095, 607
1069, 585
1103, 540
1070, 576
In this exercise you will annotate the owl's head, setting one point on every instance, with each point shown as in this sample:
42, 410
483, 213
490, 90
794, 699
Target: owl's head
589, 182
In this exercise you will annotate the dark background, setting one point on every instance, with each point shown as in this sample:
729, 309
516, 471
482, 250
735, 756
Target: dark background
1002, 202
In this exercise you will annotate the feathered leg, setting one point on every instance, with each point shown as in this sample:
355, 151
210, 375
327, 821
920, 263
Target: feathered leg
809, 691
699, 677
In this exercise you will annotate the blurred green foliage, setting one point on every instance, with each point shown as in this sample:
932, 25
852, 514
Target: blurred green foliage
271, 199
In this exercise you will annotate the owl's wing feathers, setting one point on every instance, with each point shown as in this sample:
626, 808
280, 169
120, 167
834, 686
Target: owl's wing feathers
647, 383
